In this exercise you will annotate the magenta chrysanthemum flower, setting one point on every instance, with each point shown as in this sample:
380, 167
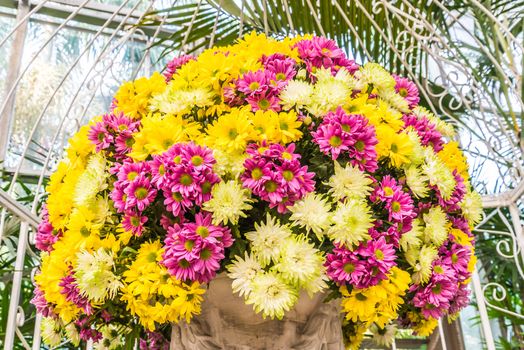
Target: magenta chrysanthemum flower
99, 136
174, 64
129, 171
364, 267
461, 299
276, 176
41, 304
154, 341
350, 135
194, 249
199, 158
87, 331
46, 235
140, 193
452, 204
253, 83
427, 131
320, 52
400, 206
345, 266
266, 101
134, 222
72, 294
281, 66
457, 258
434, 298
386, 189
408, 90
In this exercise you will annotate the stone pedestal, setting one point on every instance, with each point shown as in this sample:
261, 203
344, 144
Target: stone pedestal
226, 322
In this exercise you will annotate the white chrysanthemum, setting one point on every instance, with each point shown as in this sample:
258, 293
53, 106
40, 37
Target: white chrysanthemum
243, 273
299, 261
471, 206
92, 180
350, 222
50, 330
71, 333
436, 222
112, 337
395, 100
175, 101
421, 259
317, 284
296, 93
228, 202
374, 74
383, 336
328, 94
272, 296
312, 212
439, 174
94, 275
417, 181
444, 128
266, 240
418, 152
349, 182
412, 237
228, 163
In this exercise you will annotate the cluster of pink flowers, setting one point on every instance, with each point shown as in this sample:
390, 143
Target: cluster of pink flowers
174, 64
114, 134
398, 203
408, 90
46, 236
154, 341
426, 130
349, 135
184, 174
194, 249
321, 52
362, 267
261, 88
274, 173
72, 294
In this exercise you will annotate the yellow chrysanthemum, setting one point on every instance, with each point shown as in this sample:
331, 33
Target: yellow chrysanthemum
132, 98
288, 125
397, 147
453, 157
266, 125
159, 132
153, 295
232, 131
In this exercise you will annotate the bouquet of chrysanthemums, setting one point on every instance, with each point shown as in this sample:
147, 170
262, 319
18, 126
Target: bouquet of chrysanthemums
283, 164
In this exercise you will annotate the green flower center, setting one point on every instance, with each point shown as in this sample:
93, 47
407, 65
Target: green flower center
437, 289
395, 207
141, 193
256, 174
359, 145
346, 127
335, 141
132, 175
205, 254
284, 126
130, 142
288, 175
186, 179
349, 268
361, 297
85, 232
270, 186
254, 85
188, 245
161, 169
403, 92
263, 104
202, 231
183, 263
177, 160
206, 187
379, 254
233, 133
151, 257
197, 160
280, 76
388, 191
394, 148
135, 221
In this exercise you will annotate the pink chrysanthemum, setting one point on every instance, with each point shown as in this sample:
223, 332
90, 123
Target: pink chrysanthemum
345, 266
134, 222
72, 294
320, 52
426, 130
87, 332
408, 90
276, 176
46, 235
140, 193
461, 299
281, 66
457, 257
154, 341
253, 83
99, 136
266, 101
41, 304
174, 64
380, 258
400, 206
194, 249
350, 135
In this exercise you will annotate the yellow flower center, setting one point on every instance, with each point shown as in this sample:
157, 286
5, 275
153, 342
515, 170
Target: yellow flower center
388, 191
197, 160
132, 175
395, 207
349, 268
359, 145
141, 193
188, 245
254, 85
256, 174
205, 254
186, 179
379, 254
270, 186
335, 141
263, 104
288, 175
202, 231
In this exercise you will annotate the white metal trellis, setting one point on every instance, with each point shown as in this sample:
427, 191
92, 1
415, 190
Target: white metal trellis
112, 25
